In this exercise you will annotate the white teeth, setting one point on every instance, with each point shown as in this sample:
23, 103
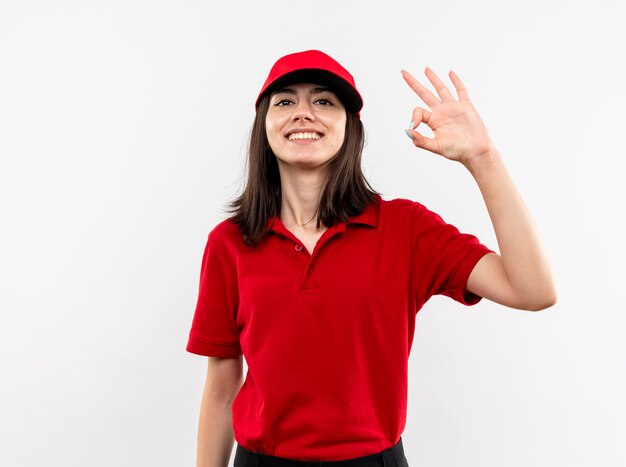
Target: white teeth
313, 136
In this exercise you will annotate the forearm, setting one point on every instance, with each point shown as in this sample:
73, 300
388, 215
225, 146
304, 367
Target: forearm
526, 266
215, 433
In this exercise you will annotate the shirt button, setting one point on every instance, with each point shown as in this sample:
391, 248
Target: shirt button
298, 247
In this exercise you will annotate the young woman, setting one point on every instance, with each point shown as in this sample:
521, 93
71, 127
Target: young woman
317, 280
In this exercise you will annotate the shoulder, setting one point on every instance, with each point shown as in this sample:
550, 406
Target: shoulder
225, 229
404, 207
395, 203
403, 214
225, 235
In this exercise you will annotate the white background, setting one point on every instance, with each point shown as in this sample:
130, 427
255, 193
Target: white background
123, 127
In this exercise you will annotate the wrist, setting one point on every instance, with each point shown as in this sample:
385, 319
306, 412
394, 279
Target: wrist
484, 161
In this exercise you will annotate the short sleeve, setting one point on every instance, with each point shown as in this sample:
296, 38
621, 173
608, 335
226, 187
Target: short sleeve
214, 330
443, 258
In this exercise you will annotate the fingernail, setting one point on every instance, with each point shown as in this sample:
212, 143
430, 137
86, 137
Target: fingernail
411, 125
408, 133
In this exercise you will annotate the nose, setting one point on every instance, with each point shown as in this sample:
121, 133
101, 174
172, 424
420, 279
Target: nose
303, 111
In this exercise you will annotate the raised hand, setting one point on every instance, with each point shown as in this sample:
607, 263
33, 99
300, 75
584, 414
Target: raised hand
460, 134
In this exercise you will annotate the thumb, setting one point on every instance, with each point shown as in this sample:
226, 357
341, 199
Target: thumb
421, 141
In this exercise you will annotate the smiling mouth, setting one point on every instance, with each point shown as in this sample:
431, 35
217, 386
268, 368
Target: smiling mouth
306, 136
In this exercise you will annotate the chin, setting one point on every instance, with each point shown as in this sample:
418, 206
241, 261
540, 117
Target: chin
304, 162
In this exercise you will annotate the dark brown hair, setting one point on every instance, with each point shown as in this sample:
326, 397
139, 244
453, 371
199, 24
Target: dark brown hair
346, 191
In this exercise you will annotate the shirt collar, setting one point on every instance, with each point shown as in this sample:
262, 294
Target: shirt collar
369, 216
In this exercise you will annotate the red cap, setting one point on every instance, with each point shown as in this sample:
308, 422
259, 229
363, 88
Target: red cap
313, 66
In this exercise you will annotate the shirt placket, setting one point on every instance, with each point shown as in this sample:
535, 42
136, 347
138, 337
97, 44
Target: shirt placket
307, 260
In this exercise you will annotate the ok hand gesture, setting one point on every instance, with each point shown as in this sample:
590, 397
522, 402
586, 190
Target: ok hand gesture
460, 134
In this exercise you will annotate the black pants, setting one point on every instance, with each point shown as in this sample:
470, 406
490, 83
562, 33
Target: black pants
392, 457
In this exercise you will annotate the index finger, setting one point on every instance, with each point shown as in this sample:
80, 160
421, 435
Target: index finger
420, 90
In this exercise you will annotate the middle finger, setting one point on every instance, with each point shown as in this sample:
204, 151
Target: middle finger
441, 88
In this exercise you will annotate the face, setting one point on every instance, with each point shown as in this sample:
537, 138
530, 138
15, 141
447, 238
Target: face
305, 125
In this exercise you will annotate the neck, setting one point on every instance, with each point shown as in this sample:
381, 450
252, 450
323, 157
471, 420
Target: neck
301, 193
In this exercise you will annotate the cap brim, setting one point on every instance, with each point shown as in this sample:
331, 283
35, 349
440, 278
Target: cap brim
349, 96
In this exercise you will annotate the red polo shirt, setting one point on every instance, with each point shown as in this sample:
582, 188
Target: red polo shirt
327, 336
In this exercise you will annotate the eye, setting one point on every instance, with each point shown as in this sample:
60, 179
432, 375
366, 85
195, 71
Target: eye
282, 102
324, 101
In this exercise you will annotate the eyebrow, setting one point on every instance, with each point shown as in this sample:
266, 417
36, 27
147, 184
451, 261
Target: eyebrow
315, 90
